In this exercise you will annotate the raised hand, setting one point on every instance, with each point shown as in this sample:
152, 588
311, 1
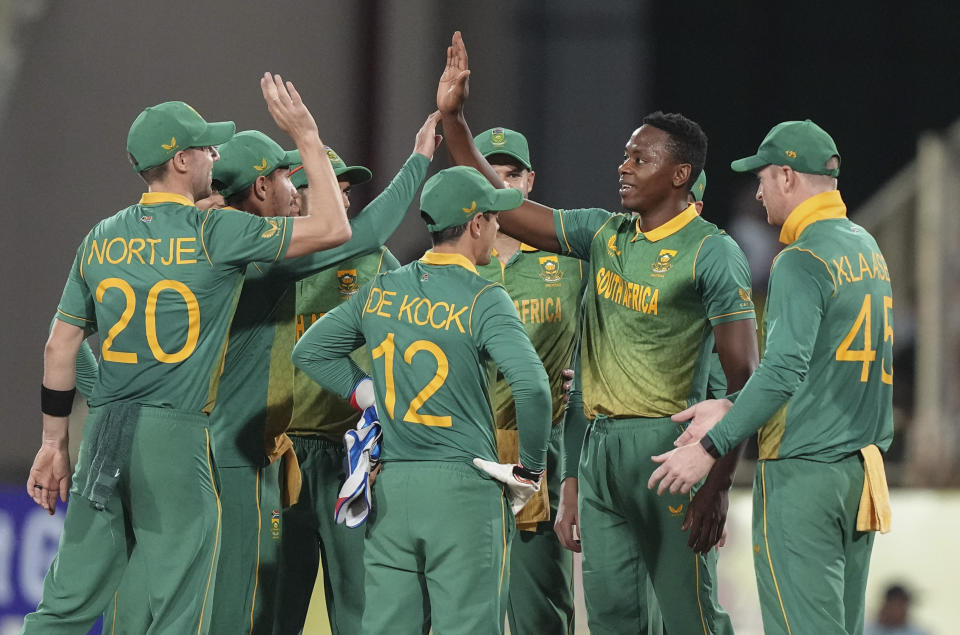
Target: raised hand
454, 84
427, 138
286, 107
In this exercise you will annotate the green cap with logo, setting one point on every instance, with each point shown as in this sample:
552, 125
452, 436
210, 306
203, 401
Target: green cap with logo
246, 156
699, 186
160, 131
453, 196
802, 145
353, 174
504, 141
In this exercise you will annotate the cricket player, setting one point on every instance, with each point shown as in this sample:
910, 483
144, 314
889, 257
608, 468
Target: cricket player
665, 287
545, 289
821, 399
321, 417
438, 537
159, 280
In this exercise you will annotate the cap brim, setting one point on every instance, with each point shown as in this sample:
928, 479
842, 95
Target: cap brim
216, 133
506, 199
748, 164
507, 153
290, 157
354, 174
298, 177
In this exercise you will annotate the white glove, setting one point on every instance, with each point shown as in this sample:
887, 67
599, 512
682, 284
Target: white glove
521, 483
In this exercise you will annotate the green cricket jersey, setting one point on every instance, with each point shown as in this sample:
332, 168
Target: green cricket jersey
649, 307
545, 289
317, 411
159, 280
431, 326
256, 389
824, 387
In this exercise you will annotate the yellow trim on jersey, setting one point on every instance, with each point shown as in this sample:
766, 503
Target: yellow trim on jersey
697, 256
563, 231
822, 206
766, 542
824, 262
474, 303
283, 239
717, 317
433, 258
113, 622
203, 243
670, 227
75, 317
503, 558
526, 247
216, 540
256, 570
83, 256
156, 198
383, 250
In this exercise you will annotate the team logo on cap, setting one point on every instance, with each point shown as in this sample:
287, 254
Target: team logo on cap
498, 137
347, 281
333, 155
664, 261
471, 209
612, 248
274, 228
262, 166
172, 145
790, 154
550, 269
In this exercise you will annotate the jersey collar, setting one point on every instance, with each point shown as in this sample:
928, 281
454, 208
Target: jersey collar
527, 248
433, 258
670, 227
155, 198
818, 207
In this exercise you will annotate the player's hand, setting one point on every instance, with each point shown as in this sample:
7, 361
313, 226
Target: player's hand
567, 385
428, 140
702, 417
521, 483
680, 469
454, 86
706, 519
49, 476
567, 525
287, 108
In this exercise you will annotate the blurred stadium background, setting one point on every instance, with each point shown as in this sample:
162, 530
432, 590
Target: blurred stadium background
575, 77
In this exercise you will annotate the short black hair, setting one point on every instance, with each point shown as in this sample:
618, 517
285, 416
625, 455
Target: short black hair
450, 233
150, 175
688, 142
505, 159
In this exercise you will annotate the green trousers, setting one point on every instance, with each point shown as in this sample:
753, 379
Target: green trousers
631, 538
436, 552
540, 598
811, 562
165, 509
312, 539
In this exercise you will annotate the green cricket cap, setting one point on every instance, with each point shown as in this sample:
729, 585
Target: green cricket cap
453, 196
699, 186
802, 145
160, 131
504, 141
353, 174
246, 156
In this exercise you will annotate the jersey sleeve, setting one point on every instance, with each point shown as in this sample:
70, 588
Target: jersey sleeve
497, 330
235, 238
722, 278
323, 353
76, 302
576, 228
574, 422
800, 286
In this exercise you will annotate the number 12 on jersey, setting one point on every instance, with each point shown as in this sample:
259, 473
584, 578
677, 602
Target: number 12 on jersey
387, 349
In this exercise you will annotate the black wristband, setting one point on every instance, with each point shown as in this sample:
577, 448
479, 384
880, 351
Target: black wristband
710, 447
56, 403
524, 474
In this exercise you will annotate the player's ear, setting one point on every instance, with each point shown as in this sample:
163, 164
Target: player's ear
681, 174
474, 226
260, 188
530, 181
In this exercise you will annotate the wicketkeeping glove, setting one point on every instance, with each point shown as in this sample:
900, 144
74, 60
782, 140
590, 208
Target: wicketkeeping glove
362, 446
521, 483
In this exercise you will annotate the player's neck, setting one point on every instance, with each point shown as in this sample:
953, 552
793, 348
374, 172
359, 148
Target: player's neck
171, 186
651, 219
458, 247
506, 246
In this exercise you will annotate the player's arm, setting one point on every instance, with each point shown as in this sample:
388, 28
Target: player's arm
323, 353
498, 330
574, 424
326, 226
50, 473
86, 368
531, 222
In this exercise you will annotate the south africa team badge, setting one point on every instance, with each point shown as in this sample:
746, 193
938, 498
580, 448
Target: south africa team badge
498, 137
664, 261
550, 269
347, 281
